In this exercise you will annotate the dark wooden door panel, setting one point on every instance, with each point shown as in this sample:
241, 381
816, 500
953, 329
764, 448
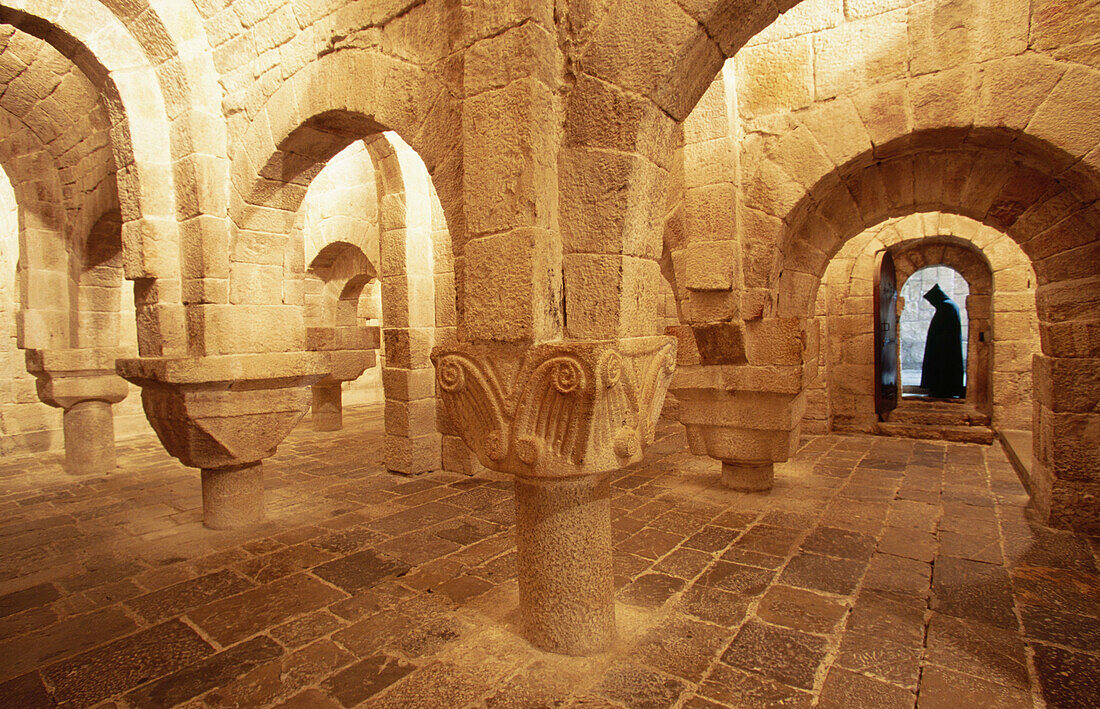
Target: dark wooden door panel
886, 336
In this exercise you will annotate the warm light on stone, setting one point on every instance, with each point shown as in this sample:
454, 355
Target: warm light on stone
597, 311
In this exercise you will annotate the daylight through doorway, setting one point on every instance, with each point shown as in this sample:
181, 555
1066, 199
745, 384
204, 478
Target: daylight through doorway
916, 317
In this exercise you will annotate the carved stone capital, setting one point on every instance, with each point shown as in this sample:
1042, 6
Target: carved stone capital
228, 410
556, 409
68, 377
741, 413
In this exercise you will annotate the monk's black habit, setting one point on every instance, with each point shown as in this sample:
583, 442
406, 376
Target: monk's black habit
942, 373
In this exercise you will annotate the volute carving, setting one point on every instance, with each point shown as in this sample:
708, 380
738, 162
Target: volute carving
556, 410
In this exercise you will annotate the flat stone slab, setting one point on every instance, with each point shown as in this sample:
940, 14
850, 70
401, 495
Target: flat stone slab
865, 578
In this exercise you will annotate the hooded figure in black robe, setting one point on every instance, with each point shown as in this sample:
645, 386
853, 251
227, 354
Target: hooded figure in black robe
942, 373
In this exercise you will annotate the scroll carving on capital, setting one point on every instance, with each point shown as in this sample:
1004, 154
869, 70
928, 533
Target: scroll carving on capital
556, 410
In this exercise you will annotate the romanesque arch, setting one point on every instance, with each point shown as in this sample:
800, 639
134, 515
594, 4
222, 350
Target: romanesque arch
335, 278
59, 137
101, 47
410, 239
834, 141
1008, 190
1002, 285
1025, 191
971, 264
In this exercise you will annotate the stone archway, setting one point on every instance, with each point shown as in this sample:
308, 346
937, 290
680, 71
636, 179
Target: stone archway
98, 43
1031, 190
64, 167
839, 398
836, 397
334, 283
1004, 189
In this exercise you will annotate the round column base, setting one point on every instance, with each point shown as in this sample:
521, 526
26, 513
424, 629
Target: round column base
89, 428
233, 497
748, 477
563, 543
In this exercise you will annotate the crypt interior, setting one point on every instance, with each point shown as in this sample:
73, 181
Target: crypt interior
548, 353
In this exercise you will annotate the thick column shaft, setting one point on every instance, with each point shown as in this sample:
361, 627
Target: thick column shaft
327, 413
748, 476
233, 497
563, 540
89, 428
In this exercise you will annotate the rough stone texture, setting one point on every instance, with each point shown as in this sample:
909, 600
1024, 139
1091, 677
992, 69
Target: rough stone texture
308, 610
233, 497
130, 661
783, 655
89, 437
212, 672
511, 205
563, 543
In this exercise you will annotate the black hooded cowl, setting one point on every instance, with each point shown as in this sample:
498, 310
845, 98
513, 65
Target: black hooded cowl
942, 372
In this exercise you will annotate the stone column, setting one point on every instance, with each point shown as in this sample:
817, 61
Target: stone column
351, 351
327, 411
560, 420
233, 496
224, 415
89, 428
1065, 475
82, 383
568, 597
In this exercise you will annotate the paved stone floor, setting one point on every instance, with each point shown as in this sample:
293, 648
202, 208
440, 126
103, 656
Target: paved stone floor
879, 573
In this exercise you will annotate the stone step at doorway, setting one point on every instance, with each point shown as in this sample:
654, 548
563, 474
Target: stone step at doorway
937, 420
938, 412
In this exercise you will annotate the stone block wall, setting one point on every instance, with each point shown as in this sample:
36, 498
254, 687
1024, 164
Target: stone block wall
556, 142
27, 425
841, 398
341, 206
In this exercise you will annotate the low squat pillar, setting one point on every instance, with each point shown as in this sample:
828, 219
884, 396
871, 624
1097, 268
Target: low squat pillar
350, 352
745, 416
224, 414
89, 428
83, 384
327, 412
748, 476
233, 497
563, 544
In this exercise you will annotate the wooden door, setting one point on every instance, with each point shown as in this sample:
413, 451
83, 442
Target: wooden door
886, 336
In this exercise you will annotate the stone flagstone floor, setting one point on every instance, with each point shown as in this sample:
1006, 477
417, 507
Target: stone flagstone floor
878, 573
